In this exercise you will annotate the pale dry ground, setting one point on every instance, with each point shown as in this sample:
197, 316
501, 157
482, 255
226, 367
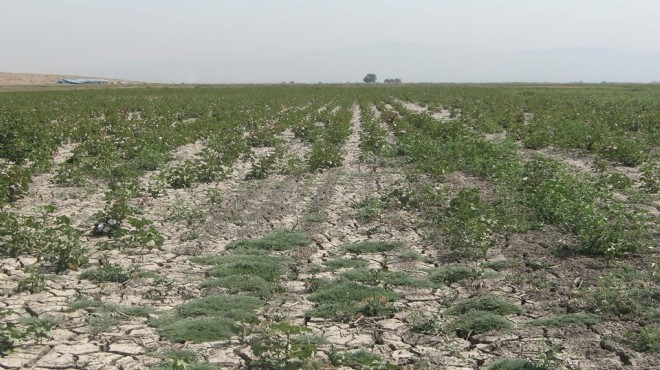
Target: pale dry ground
37, 79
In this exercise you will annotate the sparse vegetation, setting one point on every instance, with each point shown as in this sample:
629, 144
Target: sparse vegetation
310, 227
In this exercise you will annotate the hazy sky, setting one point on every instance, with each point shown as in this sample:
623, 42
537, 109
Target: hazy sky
317, 40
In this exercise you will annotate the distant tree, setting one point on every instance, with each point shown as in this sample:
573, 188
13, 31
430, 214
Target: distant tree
369, 78
393, 80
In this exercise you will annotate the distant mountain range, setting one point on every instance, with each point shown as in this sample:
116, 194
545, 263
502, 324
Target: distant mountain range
410, 62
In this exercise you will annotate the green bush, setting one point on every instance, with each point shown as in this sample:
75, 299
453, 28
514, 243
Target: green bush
324, 155
468, 223
182, 175
14, 182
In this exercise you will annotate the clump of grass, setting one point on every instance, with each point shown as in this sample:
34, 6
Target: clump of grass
340, 263
367, 247
316, 217
485, 304
517, 364
476, 322
269, 268
376, 277
281, 240
207, 319
84, 304
198, 329
182, 359
451, 274
497, 265
135, 311
361, 359
565, 320
108, 308
411, 255
344, 299
100, 324
254, 285
235, 307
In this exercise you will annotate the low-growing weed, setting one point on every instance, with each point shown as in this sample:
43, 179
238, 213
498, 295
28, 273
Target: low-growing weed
182, 359
476, 322
485, 304
425, 324
247, 284
281, 240
361, 359
38, 327
269, 268
180, 210
341, 263
565, 320
647, 340
106, 272
451, 274
207, 319
369, 247
497, 265
518, 364
384, 278
344, 299
101, 324
316, 217
623, 294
